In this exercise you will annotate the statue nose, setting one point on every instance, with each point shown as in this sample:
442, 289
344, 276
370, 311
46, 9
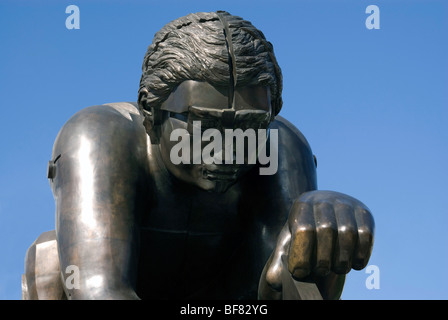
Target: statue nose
228, 118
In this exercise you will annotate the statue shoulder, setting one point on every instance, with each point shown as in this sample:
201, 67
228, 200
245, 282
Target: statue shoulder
290, 133
297, 163
118, 112
108, 126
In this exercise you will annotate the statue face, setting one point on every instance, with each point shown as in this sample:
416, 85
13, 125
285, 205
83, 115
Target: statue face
202, 129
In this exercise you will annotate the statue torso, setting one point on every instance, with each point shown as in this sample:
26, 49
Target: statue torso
193, 243
190, 238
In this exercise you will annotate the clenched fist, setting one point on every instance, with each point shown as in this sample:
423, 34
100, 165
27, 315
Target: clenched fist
326, 232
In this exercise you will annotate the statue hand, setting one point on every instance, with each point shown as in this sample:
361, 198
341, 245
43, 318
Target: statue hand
330, 231
326, 231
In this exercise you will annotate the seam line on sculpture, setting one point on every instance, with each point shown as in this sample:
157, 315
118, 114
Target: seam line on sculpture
231, 58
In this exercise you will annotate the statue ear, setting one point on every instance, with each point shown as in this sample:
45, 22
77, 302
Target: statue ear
152, 119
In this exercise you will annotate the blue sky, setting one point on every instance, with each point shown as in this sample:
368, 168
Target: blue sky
373, 104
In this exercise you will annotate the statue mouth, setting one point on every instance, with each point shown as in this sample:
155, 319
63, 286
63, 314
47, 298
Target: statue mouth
220, 173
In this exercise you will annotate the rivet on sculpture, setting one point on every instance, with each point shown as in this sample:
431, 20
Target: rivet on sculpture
166, 198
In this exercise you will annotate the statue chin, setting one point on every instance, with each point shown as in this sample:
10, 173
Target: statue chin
217, 186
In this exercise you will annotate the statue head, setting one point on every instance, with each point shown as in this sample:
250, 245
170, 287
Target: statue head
206, 66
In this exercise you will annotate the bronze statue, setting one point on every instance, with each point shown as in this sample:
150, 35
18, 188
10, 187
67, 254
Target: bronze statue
137, 224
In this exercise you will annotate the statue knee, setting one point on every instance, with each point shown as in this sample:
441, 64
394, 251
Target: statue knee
42, 278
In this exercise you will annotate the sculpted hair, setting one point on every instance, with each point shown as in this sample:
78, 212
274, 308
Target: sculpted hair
194, 48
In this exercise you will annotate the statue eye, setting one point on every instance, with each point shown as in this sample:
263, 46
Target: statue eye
179, 116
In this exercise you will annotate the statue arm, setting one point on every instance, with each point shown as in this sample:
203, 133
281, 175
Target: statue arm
98, 157
296, 175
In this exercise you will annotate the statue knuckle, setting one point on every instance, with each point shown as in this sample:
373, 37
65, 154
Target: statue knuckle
305, 230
